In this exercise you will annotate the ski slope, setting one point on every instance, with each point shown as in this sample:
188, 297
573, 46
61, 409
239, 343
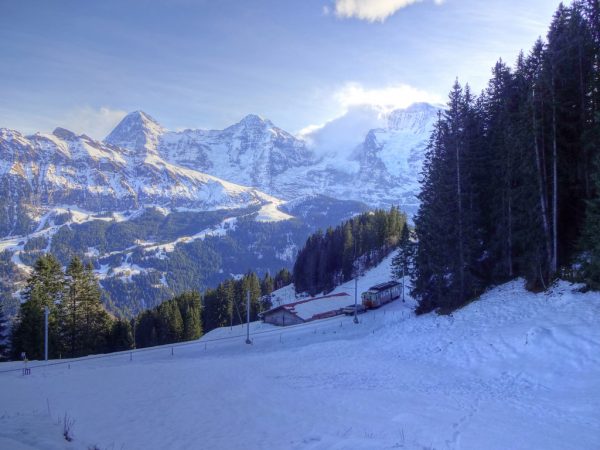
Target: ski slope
513, 370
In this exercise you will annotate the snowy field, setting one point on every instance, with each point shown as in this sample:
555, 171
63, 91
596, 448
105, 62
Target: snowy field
513, 370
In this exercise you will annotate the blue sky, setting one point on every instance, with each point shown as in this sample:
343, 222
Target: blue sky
205, 64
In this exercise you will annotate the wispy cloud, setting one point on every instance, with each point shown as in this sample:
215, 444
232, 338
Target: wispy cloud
386, 98
96, 123
372, 10
361, 109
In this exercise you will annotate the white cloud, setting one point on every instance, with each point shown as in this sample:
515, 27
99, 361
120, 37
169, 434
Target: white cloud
360, 110
96, 123
372, 10
386, 98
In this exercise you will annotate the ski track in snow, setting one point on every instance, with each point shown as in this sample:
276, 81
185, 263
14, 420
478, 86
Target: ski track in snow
512, 370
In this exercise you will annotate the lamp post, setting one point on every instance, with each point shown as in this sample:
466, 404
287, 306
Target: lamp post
46, 312
403, 283
248, 341
356, 299
356, 272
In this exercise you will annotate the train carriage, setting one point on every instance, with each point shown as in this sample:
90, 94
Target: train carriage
380, 294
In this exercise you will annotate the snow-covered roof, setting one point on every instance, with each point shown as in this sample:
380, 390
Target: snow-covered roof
384, 286
314, 308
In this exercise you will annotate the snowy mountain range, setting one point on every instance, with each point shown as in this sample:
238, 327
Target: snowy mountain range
141, 163
46, 170
146, 203
379, 166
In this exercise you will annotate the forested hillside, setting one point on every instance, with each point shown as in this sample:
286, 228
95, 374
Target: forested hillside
333, 257
226, 304
175, 320
79, 325
511, 178
147, 256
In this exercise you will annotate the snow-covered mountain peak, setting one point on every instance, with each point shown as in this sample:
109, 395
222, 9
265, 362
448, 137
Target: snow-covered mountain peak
6, 134
253, 124
137, 132
254, 120
416, 118
64, 134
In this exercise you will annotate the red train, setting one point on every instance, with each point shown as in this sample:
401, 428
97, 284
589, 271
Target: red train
380, 294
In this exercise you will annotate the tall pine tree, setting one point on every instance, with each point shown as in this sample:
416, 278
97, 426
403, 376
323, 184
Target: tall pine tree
45, 288
4, 347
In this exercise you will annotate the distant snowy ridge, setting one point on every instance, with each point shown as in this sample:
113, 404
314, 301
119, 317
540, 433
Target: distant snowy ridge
252, 162
365, 155
42, 171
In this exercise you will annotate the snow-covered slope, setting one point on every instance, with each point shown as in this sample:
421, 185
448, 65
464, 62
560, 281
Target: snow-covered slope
512, 370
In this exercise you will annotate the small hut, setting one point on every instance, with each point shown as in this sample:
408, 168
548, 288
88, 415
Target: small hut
306, 310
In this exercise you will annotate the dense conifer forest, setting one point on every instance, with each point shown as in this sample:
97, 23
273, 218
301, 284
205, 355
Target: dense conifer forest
79, 324
337, 255
175, 320
113, 246
511, 180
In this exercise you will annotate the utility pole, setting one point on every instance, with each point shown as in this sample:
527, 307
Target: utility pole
355, 263
356, 299
46, 312
402, 283
231, 303
248, 341
133, 327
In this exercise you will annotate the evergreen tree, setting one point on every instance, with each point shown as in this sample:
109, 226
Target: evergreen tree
169, 323
250, 283
85, 324
226, 296
145, 330
428, 277
45, 288
282, 278
402, 261
96, 322
267, 285
190, 306
500, 148
448, 224
4, 347
590, 239
121, 336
